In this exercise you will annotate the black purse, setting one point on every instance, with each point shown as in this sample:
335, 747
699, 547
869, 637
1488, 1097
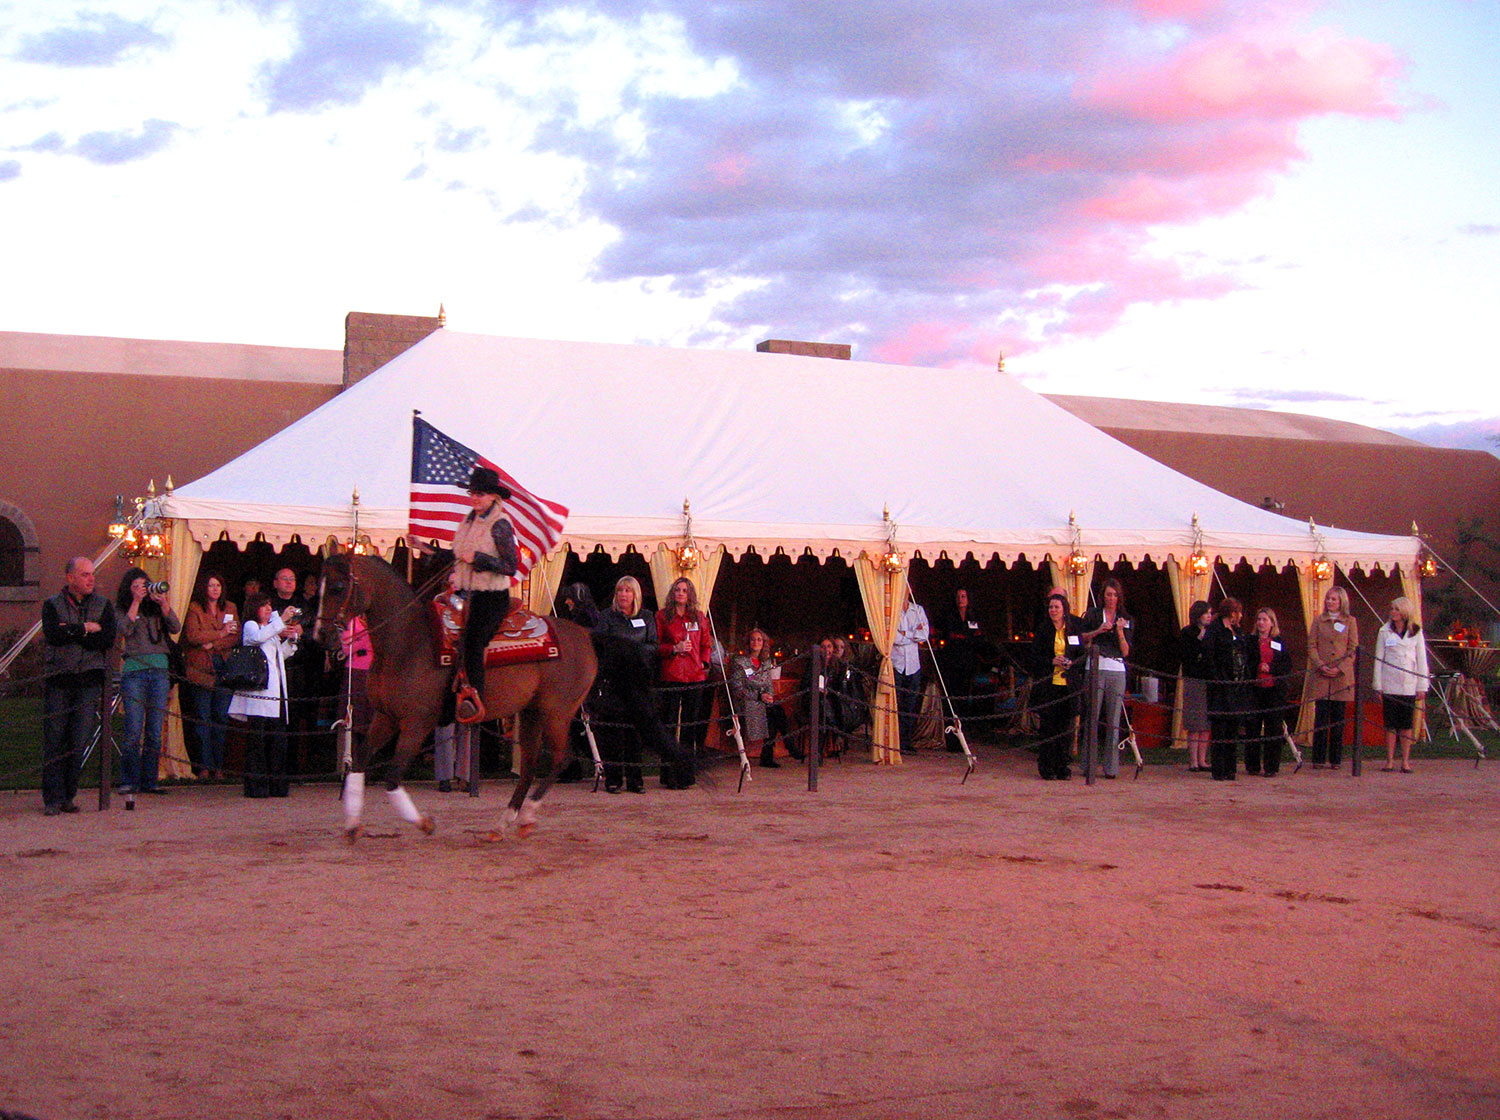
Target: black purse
244, 670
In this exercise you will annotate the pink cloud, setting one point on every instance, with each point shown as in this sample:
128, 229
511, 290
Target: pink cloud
918, 342
1265, 75
1147, 200
1187, 10
730, 171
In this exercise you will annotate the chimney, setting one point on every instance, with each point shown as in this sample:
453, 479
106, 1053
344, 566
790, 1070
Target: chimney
838, 350
371, 339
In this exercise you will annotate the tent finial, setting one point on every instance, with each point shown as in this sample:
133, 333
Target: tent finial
1000, 363
442, 316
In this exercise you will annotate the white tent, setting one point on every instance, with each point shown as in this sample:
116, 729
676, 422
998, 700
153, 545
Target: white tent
773, 452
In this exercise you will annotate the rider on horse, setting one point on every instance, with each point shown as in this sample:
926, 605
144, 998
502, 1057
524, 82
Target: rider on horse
484, 560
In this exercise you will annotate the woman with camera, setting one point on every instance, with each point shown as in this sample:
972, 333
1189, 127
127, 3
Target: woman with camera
266, 708
146, 625
208, 634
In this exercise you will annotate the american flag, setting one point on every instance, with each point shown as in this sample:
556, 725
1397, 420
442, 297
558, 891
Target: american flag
440, 468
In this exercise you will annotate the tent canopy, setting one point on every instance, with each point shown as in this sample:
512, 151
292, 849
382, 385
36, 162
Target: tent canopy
773, 451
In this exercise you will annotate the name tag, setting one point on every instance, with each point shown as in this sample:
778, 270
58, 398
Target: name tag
1276, 646
638, 622
749, 672
973, 626
1392, 639
692, 627
1072, 639
1339, 627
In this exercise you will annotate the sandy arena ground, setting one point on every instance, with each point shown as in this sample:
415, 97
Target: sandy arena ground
896, 945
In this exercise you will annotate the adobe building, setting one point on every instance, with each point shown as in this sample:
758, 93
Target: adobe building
92, 418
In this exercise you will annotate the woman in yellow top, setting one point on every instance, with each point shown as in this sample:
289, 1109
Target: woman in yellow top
1057, 660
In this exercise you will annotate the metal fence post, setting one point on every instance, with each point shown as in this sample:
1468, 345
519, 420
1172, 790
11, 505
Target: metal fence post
815, 716
1355, 760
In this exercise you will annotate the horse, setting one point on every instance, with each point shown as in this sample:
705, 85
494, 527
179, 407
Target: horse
408, 688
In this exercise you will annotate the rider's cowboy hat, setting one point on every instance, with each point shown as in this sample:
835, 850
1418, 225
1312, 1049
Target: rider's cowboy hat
486, 481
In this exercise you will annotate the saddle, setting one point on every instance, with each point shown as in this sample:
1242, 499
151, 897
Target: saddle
524, 636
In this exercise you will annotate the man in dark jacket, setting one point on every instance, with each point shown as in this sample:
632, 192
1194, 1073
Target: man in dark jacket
78, 629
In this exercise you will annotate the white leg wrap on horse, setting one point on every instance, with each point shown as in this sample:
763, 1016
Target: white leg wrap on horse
528, 812
405, 808
354, 797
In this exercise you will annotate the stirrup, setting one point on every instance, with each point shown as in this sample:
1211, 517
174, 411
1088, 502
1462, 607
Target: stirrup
470, 708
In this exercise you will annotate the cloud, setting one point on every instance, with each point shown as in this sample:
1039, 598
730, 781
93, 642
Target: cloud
125, 146
9, 169
95, 39
1267, 397
51, 142
343, 49
955, 174
450, 139
1481, 229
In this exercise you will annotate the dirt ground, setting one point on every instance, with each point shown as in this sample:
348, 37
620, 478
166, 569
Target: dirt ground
895, 945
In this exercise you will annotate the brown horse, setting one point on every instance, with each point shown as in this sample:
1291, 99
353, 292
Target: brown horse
407, 689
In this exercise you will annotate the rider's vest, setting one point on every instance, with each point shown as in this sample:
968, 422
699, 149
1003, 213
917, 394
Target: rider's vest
476, 532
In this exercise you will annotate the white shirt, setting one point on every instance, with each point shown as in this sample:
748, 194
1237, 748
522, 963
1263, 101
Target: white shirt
911, 632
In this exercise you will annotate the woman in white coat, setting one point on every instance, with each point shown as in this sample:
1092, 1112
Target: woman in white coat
1400, 676
265, 709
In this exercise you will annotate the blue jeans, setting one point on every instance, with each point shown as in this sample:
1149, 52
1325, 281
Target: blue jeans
210, 711
144, 692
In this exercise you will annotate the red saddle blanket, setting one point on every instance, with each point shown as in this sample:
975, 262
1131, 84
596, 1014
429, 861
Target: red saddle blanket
523, 636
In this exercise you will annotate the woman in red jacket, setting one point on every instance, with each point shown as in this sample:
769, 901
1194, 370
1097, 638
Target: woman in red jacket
684, 648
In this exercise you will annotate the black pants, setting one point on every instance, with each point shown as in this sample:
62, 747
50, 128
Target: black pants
70, 714
620, 750
265, 758
1328, 731
487, 609
1263, 747
1054, 706
688, 705
1224, 747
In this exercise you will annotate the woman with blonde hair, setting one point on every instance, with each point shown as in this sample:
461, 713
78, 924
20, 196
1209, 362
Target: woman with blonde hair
1332, 643
1400, 676
1273, 665
752, 684
626, 684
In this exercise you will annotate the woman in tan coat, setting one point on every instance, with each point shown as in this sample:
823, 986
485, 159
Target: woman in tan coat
1331, 646
210, 632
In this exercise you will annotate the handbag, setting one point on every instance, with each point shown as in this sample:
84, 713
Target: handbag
244, 670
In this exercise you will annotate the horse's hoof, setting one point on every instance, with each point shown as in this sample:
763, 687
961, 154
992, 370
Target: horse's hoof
525, 829
427, 826
493, 836
351, 834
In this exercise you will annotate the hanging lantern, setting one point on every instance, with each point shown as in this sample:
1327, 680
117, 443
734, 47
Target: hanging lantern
1198, 564
689, 555
1427, 565
1321, 569
891, 560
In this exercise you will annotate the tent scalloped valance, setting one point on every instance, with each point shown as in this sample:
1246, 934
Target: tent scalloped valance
206, 532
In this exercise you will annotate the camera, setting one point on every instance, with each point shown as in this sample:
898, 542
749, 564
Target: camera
160, 587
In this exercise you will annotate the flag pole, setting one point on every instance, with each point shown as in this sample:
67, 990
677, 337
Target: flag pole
410, 549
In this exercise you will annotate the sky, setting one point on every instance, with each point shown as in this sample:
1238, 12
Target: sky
1285, 204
